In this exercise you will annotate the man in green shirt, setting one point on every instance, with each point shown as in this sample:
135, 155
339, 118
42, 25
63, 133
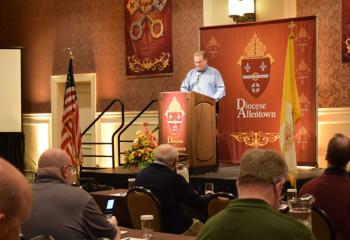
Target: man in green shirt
254, 214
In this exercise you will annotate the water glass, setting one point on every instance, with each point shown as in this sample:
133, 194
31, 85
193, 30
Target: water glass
208, 188
291, 194
147, 226
131, 182
300, 209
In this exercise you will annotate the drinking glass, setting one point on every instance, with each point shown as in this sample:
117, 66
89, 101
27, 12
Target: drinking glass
147, 226
291, 194
208, 188
300, 209
131, 182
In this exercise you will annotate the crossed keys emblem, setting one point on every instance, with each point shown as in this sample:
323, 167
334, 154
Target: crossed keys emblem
347, 43
146, 22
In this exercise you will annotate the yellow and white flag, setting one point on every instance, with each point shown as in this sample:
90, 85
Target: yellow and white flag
290, 112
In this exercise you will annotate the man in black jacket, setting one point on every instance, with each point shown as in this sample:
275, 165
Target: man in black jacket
172, 191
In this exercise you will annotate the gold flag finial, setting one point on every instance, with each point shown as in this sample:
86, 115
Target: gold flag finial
291, 26
69, 52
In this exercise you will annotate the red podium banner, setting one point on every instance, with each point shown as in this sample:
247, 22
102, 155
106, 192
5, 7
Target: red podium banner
174, 120
187, 121
251, 60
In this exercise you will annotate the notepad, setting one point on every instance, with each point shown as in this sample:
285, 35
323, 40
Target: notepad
118, 194
132, 238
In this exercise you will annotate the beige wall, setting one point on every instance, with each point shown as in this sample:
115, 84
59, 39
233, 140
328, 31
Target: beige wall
43, 56
95, 32
275, 9
215, 12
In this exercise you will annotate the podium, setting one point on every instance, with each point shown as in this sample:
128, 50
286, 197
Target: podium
187, 120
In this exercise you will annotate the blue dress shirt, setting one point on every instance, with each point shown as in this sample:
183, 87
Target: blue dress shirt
209, 83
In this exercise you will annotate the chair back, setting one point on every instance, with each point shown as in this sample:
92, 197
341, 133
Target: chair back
89, 184
218, 202
43, 237
321, 226
141, 201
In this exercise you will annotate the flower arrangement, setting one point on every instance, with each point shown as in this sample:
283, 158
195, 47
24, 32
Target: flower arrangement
142, 148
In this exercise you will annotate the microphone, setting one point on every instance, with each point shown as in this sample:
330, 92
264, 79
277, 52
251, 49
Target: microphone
197, 78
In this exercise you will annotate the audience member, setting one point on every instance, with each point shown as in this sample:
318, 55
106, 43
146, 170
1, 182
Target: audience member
254, 214
63, 211
332, 189
172, 191
15, 200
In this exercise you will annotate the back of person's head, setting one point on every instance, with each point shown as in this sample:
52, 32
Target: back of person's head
55, 162
165, 153
262, 167
338, 151
200, 54
15, 200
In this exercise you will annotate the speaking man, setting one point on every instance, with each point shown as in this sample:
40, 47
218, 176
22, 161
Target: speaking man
204, 79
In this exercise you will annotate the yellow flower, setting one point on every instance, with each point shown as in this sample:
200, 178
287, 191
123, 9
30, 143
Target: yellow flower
141, 153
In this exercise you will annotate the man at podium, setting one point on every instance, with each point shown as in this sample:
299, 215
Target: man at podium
203, 78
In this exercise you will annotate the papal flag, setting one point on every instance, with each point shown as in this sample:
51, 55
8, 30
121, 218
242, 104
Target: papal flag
290, 112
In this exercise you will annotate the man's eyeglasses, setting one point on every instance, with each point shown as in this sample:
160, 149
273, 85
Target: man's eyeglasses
283, 193
198, 62
72, 169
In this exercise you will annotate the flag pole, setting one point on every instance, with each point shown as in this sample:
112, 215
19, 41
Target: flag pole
290, 110
293, 174
76, 160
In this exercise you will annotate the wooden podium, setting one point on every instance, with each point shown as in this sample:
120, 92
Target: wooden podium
187, 120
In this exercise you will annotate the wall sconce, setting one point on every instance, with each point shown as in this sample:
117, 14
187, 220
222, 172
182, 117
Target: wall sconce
241, 10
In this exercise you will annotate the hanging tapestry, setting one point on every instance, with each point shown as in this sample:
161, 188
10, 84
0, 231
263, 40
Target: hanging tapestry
148, 37
346, 31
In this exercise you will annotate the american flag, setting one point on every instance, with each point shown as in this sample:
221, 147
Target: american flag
71, 134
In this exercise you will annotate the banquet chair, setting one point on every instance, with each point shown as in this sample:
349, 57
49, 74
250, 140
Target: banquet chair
89, 184
217, 202
321, 226
141, 201
39, 237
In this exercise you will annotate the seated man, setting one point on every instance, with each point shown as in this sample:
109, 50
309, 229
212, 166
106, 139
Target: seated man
15, 201
254, 214
60, 210
172, 191
332, 189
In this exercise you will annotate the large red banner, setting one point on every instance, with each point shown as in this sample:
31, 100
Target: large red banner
251, 60
346, 31
148, 37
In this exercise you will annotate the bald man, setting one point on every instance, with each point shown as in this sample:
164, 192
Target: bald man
63, 211
172, 191
15, 200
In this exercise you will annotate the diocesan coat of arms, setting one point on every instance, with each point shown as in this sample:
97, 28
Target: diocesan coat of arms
255, 66
174, 115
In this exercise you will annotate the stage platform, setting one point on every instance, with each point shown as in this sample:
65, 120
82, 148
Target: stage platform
224, 178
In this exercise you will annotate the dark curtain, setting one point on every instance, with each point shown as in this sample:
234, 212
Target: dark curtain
12, 148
